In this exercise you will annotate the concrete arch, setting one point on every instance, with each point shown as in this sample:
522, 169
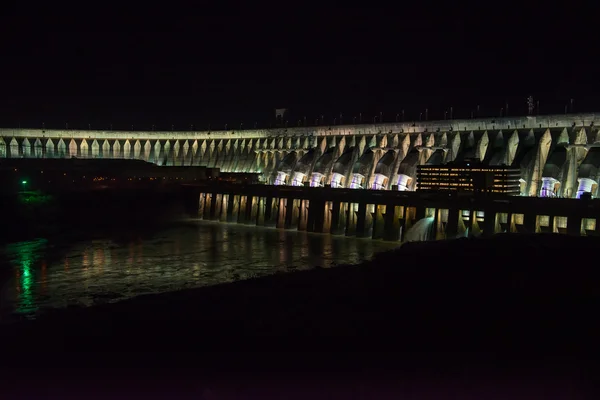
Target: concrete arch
73, 148
61, 148
50, 149
322, 168
84, 149
127, 149
38, 148
95, 149
26, 146
384, 170
407, 172
303, 168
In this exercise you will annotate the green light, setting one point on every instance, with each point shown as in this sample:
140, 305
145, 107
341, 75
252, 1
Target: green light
24, 182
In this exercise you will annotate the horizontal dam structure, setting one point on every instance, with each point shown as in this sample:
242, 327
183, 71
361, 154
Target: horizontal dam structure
558, 155
394, 215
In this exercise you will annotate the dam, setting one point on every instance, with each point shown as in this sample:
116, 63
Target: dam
557, 155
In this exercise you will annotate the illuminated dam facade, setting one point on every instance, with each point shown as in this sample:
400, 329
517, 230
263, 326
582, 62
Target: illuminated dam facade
557, 155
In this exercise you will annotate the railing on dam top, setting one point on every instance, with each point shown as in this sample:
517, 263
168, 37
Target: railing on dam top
395, 216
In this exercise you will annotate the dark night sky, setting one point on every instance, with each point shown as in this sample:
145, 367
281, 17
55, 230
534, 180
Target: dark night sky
143, 66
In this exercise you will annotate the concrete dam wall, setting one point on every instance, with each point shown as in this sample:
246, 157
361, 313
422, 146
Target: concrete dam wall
558, 155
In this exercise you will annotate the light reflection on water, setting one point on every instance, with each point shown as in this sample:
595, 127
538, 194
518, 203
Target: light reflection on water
37, 275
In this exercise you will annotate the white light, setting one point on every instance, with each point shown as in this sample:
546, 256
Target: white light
379, 182
281, 178
337, 180
585, 186
316, 180
403, 182
548, 187
357, 180
298, 179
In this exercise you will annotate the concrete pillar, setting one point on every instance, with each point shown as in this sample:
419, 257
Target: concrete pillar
335, 228
201, 204
392, 219
574, 225
351, 219
260, 211
378, 221
243, 210
270, 211
280, 220
289, 213
319, 216
314, 210
223, 208
529, 222
489, 222
452, 224
421, 213
214, 200
232, 207
327, 217
303, 215
361, 220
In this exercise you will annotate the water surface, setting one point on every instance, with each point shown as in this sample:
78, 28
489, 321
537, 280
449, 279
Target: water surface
40, 274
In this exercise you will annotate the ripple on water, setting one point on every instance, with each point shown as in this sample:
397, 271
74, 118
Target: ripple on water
38, 275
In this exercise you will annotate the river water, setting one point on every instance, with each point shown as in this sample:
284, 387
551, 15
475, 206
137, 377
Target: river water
41, 274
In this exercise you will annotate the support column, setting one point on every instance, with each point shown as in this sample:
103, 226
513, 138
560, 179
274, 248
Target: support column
270, 213
260, 211
378, 221
314, 221
351, 219
289, 213
335, 218
213, 206
489, 222
574, 225
280, 219
452, 225
231, 213
529, 222
241, 217
392, 222
361, 216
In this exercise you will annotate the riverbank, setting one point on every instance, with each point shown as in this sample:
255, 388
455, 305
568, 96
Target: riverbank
69, 214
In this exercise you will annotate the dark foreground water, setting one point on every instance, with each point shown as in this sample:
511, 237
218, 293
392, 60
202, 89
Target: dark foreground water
41, 274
